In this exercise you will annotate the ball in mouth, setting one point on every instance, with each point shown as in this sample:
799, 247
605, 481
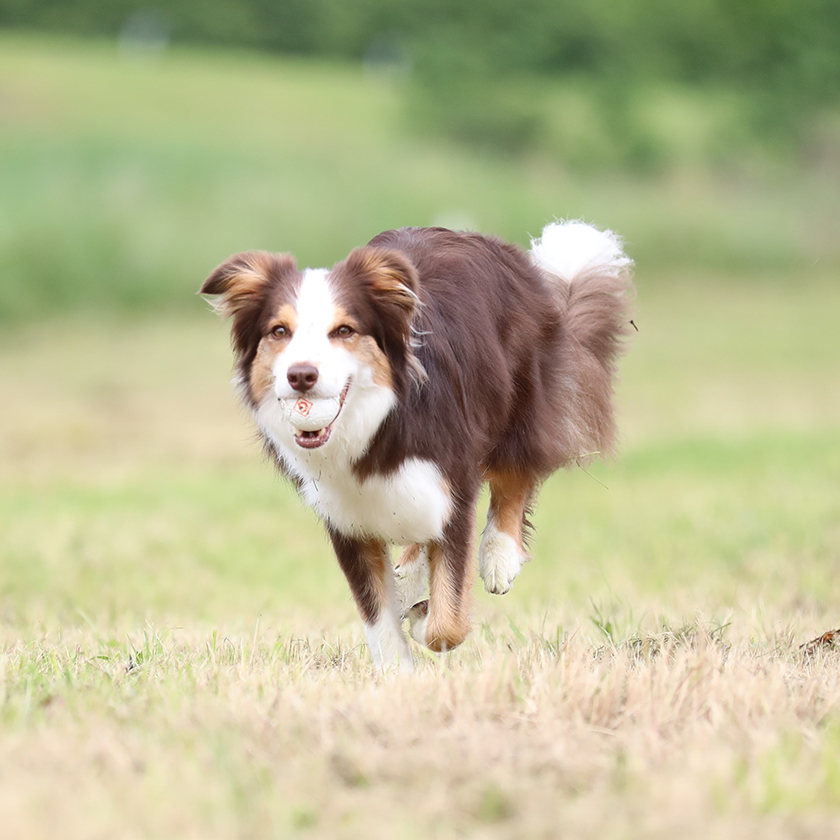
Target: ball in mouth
313, 419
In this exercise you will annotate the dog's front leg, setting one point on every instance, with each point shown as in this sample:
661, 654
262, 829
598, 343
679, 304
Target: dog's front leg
443, 622
368, 570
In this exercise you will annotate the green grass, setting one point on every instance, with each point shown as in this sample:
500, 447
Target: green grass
179, 655
729, 463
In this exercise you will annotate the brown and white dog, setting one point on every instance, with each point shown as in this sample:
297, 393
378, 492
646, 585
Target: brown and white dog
452, 359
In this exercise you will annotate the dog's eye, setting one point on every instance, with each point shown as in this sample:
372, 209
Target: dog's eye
344, 331
279, 332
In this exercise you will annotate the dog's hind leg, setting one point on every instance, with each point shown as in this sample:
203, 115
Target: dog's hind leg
502, 549
443, 621
367, 567
412, 576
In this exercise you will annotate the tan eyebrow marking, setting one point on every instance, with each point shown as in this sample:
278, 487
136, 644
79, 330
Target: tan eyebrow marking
287, 314
342, 317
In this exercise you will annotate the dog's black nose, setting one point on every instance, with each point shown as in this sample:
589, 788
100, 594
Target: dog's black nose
302, 377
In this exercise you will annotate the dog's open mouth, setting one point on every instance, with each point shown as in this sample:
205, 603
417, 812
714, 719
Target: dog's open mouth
314, 439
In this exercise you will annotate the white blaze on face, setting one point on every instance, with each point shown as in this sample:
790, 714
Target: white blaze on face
310, 344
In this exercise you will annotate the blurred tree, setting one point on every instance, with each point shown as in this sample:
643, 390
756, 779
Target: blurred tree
474, 62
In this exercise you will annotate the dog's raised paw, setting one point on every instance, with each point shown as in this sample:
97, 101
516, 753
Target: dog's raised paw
499, 560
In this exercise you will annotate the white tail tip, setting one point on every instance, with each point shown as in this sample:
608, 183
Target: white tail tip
568, 249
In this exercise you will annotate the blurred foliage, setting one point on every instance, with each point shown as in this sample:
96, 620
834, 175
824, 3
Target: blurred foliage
475, 64
125, 180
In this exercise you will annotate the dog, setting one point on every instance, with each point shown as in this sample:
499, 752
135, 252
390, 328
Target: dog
437, 361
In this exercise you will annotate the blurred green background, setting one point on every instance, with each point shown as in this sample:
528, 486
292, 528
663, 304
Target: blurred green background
141, 145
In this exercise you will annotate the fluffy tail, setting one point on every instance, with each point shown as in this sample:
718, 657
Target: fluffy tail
592, 278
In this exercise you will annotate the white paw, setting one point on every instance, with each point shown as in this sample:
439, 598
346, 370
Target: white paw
418, 618
411, 581
499, 560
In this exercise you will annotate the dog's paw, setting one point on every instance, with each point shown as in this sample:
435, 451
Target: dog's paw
411, 580
499, 560
418, 618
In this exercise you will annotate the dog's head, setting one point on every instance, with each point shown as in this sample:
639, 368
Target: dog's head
341, 335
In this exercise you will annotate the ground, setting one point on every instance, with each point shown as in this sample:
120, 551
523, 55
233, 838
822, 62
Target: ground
180, 656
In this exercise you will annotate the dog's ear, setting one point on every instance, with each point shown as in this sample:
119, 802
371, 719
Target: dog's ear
244, 277
243, 284
391, 277
392, 285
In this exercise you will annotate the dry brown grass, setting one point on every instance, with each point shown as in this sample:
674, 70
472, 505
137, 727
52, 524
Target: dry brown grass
173, 665
688, 736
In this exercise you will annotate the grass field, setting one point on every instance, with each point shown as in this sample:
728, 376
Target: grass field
174, 664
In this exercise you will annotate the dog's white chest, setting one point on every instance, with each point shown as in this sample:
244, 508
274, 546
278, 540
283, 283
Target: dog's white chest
412, 505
